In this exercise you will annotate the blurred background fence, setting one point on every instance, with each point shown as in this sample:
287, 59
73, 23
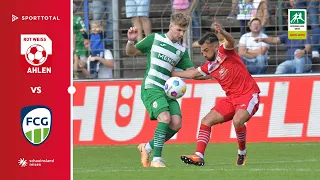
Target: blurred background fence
112, 15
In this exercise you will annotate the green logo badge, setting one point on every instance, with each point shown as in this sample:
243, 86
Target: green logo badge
297, 17
297, 24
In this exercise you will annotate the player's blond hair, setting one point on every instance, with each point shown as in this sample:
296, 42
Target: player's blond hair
180, 19
97, 24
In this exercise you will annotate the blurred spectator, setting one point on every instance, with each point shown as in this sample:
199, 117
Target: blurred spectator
247, 9
138, 10
106, 63
79, 50
181, 6
285, 7
254, 54
99, 7
196, 18
312, 7
244, 15
96, 46
298, 51
234, 10
263, 14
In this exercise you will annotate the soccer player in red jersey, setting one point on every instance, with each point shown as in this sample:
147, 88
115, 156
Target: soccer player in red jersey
242, 93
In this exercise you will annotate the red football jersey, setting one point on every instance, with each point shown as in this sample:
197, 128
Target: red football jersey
230, 72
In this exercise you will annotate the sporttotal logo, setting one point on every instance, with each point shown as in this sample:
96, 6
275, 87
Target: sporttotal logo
36, 123
14, 17
36, 49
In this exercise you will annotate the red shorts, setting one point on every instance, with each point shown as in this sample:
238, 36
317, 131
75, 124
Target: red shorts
229, 105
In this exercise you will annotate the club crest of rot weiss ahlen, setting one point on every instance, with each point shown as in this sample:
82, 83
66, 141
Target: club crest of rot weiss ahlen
36, 51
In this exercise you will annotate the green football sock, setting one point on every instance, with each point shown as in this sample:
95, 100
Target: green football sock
170, 133
159, 137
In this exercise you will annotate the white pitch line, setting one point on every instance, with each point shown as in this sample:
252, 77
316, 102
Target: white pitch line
118, 147
301, 144
271, 162
128, 169
180, 145
265, 169
198, 169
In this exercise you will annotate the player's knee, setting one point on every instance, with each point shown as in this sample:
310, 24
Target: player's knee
175, 122
211, 122
177, 127
240, 118
207, 121
164, 117
237, 123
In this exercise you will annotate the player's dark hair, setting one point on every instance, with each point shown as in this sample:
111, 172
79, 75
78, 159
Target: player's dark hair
208, 38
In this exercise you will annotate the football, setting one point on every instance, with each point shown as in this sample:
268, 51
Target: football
175, 87
36, 55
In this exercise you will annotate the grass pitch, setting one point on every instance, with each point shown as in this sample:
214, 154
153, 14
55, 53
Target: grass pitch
264, 161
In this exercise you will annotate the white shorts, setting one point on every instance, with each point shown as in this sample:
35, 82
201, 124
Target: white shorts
137, 8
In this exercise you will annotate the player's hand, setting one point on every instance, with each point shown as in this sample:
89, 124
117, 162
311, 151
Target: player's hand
132, 33
212, 27
299, 53
217, 26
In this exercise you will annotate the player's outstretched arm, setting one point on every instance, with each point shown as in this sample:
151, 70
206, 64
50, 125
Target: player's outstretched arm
189, 73
207, 77
201, 77
131, 49
229, 41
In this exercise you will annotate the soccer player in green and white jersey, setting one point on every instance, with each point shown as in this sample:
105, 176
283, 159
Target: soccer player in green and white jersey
164, 52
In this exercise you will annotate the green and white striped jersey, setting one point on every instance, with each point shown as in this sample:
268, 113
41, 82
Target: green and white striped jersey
163, 54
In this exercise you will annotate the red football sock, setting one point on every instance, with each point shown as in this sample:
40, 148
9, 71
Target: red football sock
241, 136
203, 138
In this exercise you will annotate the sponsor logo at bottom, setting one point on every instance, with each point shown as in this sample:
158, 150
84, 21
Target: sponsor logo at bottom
22, 162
